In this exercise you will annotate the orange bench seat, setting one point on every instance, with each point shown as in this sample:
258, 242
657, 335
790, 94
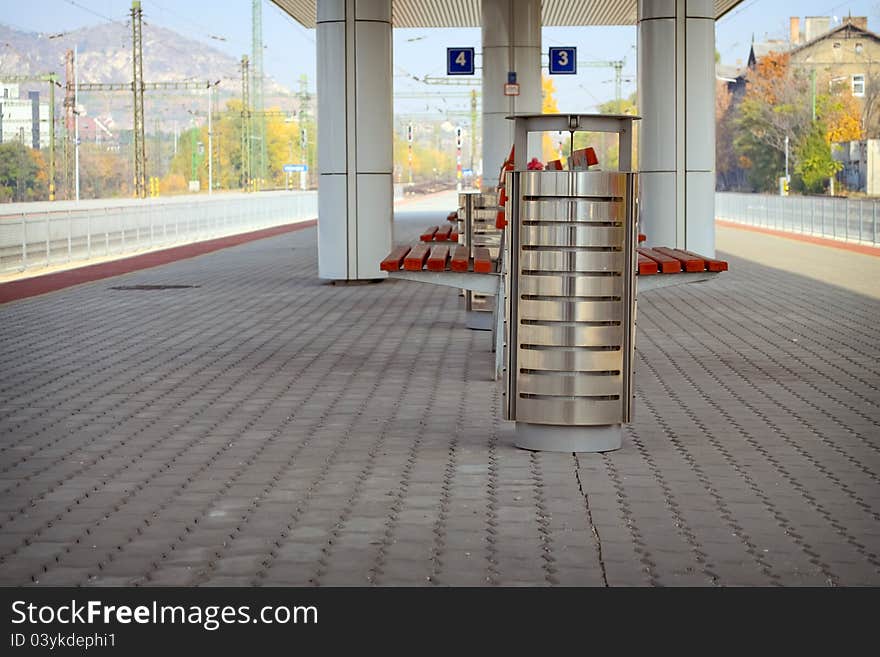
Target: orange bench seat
439, 258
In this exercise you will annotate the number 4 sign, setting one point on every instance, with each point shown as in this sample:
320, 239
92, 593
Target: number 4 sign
563, 61
459, 61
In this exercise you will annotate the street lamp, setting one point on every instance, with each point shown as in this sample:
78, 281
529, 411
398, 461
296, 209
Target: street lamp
211, 86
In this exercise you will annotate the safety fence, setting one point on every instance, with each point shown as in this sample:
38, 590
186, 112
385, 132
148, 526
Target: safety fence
35, 235
853, 220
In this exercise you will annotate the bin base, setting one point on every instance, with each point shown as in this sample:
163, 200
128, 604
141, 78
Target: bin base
554, 438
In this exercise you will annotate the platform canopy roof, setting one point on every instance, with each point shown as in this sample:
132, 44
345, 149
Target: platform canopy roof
466, 13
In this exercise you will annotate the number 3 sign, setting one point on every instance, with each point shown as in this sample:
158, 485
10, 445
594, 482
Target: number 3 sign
563, 61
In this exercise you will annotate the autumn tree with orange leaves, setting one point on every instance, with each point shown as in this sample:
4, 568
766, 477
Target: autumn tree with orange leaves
549, 149
778, 105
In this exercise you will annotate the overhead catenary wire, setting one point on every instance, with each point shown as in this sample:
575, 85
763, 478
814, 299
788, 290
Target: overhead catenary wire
95, 13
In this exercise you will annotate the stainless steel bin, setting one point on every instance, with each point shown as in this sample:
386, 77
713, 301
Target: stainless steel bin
570, 308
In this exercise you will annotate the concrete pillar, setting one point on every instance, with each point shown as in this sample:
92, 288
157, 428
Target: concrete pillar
511, 42
355, 187
676, 43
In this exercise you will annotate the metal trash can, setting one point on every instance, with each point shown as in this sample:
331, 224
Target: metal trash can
477, 213
571, 308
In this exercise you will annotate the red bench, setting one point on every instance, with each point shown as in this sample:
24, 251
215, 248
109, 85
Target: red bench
439, 234
663, 260
439, 258
653, 261
647, 267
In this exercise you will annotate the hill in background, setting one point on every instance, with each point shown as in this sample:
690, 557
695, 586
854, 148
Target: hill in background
104, 55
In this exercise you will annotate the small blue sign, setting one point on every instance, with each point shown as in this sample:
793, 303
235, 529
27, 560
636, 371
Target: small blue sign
467, 172
460, 61
293, 168
563, 61
511, 77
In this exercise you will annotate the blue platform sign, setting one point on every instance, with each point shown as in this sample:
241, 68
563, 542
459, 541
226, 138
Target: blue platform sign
460, 61
563, 61
293, 168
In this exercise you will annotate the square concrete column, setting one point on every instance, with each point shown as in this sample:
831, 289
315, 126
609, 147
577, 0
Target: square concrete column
676, 43
355, 188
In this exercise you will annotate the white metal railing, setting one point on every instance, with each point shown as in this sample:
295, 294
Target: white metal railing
34, 235
852, 220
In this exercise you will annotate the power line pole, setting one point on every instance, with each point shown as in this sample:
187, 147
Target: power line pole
210, 142
258, 160
52, 82
76, 120
137, 87
148, 86
617, 65
304, 98
69, 109
245, 124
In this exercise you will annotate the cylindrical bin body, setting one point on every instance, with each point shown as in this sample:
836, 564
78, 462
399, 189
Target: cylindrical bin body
570, 308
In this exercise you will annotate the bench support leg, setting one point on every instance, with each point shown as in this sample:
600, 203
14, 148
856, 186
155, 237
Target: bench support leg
552, 438
478, 321
498, 330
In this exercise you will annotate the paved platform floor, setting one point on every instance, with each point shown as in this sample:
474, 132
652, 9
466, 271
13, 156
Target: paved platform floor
265, 428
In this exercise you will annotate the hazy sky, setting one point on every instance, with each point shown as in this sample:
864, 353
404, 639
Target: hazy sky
290, 48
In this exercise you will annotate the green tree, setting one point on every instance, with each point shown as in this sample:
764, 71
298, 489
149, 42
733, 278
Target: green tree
22, 173
814, 163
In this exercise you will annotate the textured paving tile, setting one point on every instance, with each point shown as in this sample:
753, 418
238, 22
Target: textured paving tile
267, 428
